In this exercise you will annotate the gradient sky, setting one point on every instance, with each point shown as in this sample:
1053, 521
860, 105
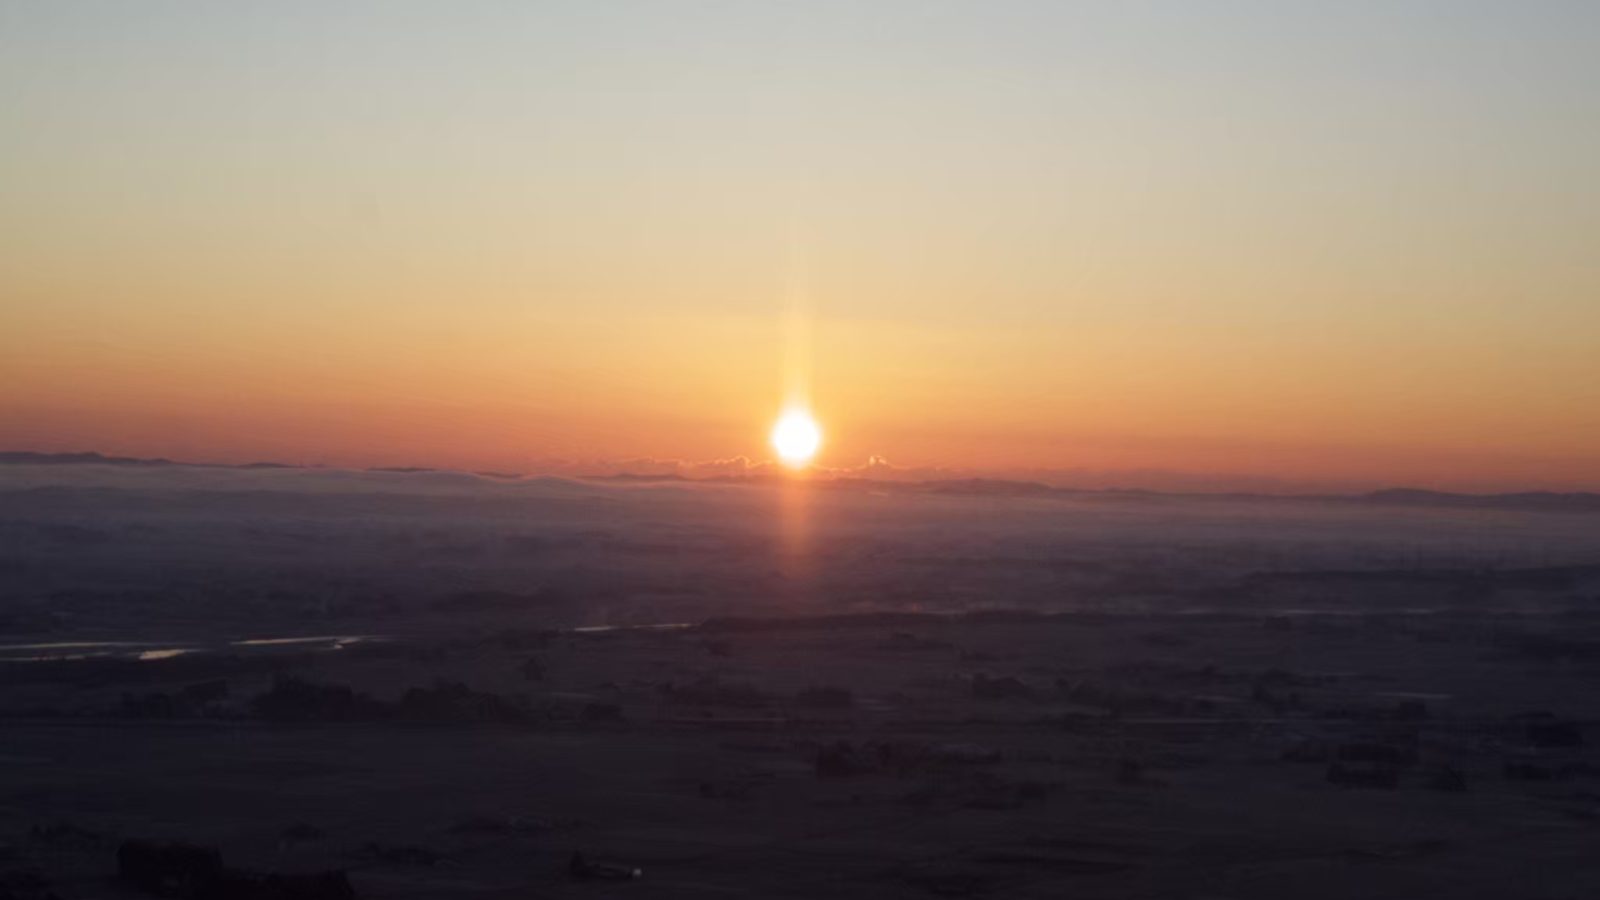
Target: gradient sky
1330, 243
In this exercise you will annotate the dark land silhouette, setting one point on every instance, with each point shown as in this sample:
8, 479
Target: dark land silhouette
270, 682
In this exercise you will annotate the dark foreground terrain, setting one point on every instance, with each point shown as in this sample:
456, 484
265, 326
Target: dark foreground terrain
908, 756
409, 686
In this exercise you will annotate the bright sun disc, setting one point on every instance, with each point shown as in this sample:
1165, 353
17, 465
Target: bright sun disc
796, 437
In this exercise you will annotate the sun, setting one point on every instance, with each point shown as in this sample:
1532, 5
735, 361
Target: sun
796, 437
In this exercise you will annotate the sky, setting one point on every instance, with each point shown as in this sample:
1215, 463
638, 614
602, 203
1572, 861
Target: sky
1295, 243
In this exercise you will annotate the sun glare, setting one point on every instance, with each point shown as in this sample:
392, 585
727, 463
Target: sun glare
796, 437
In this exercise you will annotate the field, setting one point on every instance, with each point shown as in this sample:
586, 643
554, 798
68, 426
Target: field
451, 692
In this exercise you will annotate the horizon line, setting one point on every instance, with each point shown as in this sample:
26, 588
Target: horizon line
767, 472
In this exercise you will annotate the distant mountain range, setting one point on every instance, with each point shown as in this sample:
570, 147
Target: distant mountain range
1578, 501
1542, 501
24, 457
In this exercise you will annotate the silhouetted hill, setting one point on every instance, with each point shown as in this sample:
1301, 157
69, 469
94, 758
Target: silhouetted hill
990, 487
1532, 501
1529, 500
24, 457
